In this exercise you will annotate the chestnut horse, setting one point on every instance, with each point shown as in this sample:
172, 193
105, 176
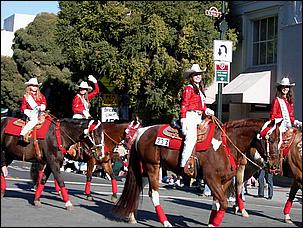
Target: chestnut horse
217, 165
60, 135
114, 133
293, 164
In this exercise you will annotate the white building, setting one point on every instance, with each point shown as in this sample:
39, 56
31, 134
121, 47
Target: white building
10, 26
269, 48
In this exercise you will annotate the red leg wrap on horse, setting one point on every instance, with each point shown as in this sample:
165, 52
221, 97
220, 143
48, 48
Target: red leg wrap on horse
64, 194
287, 207
87, 187
114, 186
219, 217
39, 191
3, 183
57, 187
240, 202
160, 213
212, 216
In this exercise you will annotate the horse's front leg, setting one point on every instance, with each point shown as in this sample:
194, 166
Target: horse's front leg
239, 186
220, 202
292, 194
153, 175
89, 175
42, 179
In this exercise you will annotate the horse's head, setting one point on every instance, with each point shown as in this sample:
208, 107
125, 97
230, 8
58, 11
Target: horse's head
268, 141
92, 140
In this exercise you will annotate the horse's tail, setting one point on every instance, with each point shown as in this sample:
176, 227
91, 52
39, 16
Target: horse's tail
129, 199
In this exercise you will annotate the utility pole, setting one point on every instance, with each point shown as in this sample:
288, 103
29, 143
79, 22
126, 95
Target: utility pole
222, 26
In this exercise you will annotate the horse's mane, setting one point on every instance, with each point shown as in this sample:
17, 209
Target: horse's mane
243, 123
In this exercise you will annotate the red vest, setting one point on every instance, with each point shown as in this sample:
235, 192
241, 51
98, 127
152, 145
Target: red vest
77, 104
25, 104
277, 113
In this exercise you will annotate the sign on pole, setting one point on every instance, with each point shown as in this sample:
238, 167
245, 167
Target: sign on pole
223, 50
222, 72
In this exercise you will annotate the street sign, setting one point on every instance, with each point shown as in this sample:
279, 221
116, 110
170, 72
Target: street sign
106, 82
223, 50
109, 99
222, 72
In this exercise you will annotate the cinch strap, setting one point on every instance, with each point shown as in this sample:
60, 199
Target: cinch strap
58, 136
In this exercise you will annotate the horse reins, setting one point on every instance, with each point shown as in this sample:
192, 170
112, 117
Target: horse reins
218, 123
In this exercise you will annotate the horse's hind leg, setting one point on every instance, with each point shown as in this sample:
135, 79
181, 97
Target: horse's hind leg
153, 175
292, 194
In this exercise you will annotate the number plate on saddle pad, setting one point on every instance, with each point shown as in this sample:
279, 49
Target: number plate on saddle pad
162, 141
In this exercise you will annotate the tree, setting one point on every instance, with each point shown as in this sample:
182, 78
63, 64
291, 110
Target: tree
12, 84
37, 54
142, 47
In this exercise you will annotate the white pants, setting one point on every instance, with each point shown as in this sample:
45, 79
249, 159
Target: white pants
33, 120
193, 119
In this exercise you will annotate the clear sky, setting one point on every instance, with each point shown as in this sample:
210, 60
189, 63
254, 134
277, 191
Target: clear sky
9, 8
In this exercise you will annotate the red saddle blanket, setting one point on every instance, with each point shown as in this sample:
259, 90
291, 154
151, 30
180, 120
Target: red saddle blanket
14, 127
174, 141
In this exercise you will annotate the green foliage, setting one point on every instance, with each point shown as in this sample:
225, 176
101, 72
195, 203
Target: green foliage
12, 84
37, 54
143, 47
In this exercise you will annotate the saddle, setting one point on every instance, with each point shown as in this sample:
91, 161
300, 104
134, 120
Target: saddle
287, 140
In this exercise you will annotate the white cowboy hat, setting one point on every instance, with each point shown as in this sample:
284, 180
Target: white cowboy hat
84, 85
195, 69
33, 81
285, 82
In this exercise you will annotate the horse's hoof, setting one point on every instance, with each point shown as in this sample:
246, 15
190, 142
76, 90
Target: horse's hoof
244, 213
236, 209
2, 194
167, 224
114, 198
37, 203
288, 221
89, 197
132, 221
211, 225
69, 206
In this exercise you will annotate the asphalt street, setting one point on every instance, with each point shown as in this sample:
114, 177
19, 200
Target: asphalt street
184, 207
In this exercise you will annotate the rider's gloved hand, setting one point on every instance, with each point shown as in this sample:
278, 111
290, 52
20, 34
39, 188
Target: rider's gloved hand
209, 112
298, 123
92, 79
42, 107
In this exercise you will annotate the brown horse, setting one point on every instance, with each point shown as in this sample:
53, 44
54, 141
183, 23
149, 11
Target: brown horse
292, 162
60, 135
114, 133
217, 165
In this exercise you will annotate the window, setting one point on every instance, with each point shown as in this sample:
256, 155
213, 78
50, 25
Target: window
265, 33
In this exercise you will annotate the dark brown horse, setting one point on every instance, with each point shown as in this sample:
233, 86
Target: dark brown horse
114, 133
217, 165
60, 135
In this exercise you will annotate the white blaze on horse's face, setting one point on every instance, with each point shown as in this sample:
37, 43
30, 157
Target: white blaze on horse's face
216, 143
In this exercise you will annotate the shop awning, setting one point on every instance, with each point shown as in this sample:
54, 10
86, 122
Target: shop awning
245, 88
254, 87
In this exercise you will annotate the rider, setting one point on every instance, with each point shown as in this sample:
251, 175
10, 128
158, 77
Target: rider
192, 107
33, 105
81, 102
80, 107
283, 106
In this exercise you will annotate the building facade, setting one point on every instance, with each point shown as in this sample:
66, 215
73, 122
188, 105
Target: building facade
270, 48
10, 26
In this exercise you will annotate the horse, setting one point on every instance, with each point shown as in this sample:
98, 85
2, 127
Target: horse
216, 164
58, 135
114, 133
290, 158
